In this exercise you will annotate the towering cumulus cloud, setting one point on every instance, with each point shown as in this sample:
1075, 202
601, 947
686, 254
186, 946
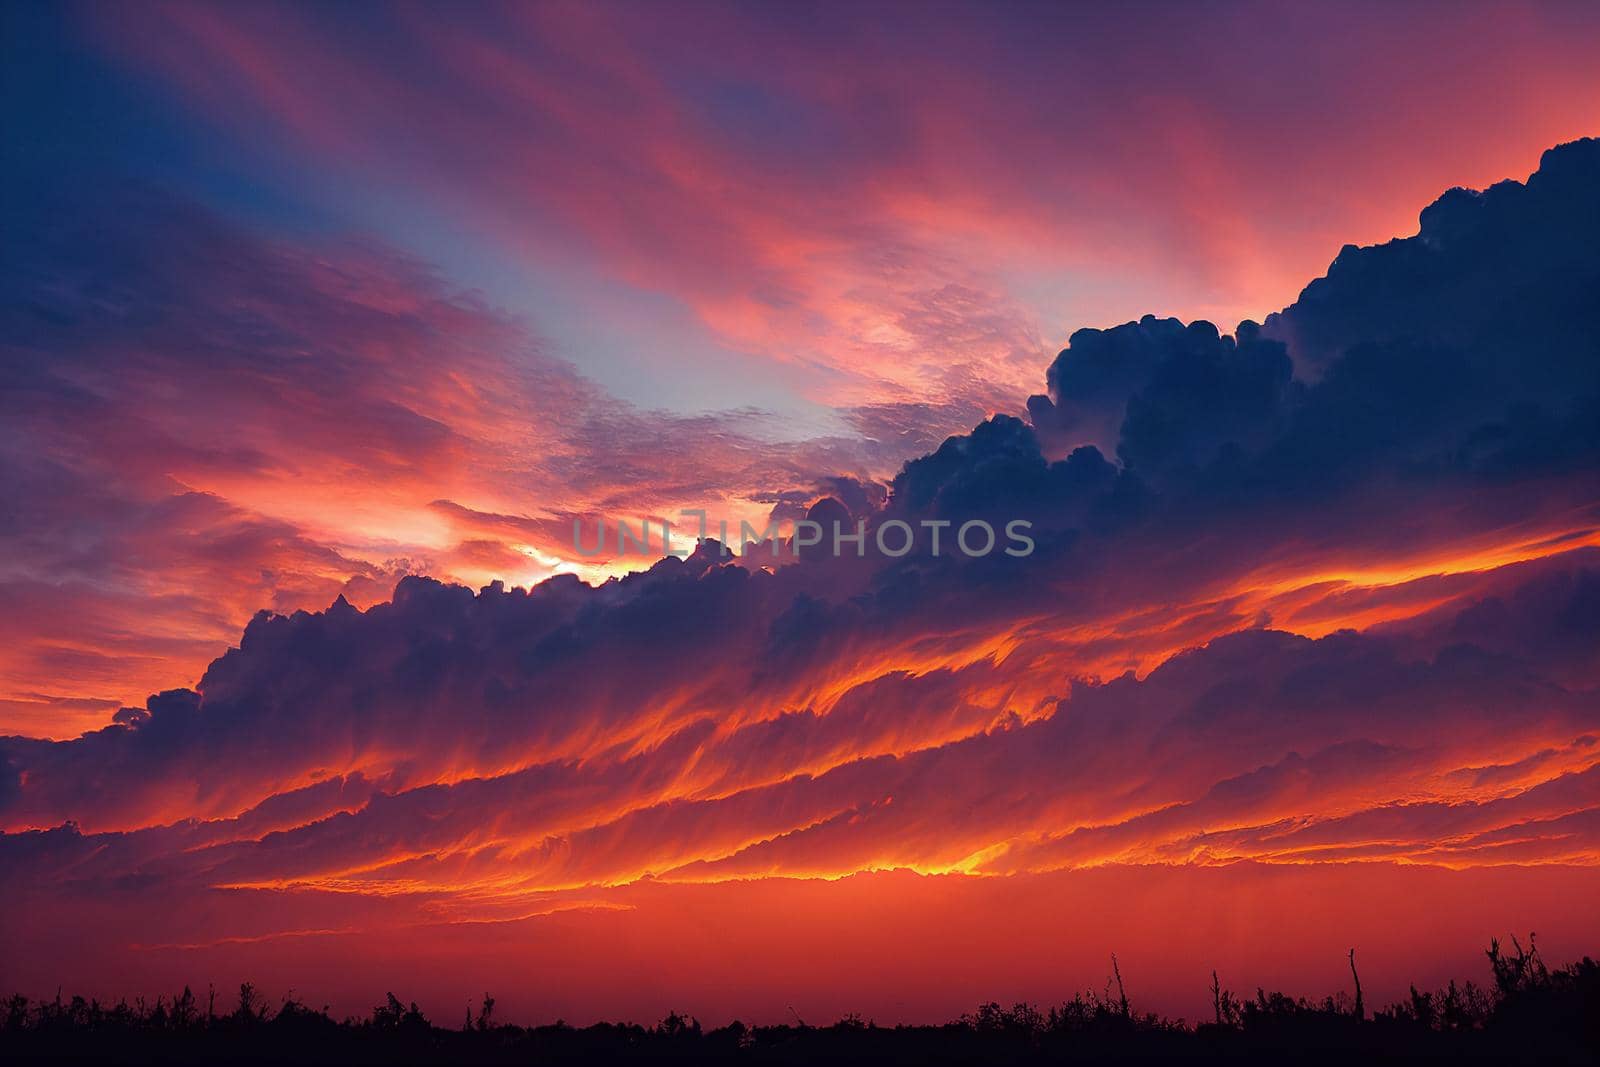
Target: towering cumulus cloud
1313, 604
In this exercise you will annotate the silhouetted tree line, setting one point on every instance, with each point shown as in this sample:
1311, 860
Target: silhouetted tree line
1530, 1012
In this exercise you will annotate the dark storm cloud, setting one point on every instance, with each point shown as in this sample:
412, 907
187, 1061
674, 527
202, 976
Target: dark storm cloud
1247, 732
710, 719
1470, 349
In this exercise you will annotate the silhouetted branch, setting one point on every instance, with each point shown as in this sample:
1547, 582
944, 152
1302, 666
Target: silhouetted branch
1361, 1010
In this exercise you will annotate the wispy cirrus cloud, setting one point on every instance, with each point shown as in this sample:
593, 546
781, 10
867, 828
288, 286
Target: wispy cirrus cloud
203, 422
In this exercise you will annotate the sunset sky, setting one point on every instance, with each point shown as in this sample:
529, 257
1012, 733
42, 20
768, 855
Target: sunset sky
320, 319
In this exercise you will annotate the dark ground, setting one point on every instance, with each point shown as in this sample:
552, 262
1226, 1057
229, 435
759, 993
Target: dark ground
1528, 1014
